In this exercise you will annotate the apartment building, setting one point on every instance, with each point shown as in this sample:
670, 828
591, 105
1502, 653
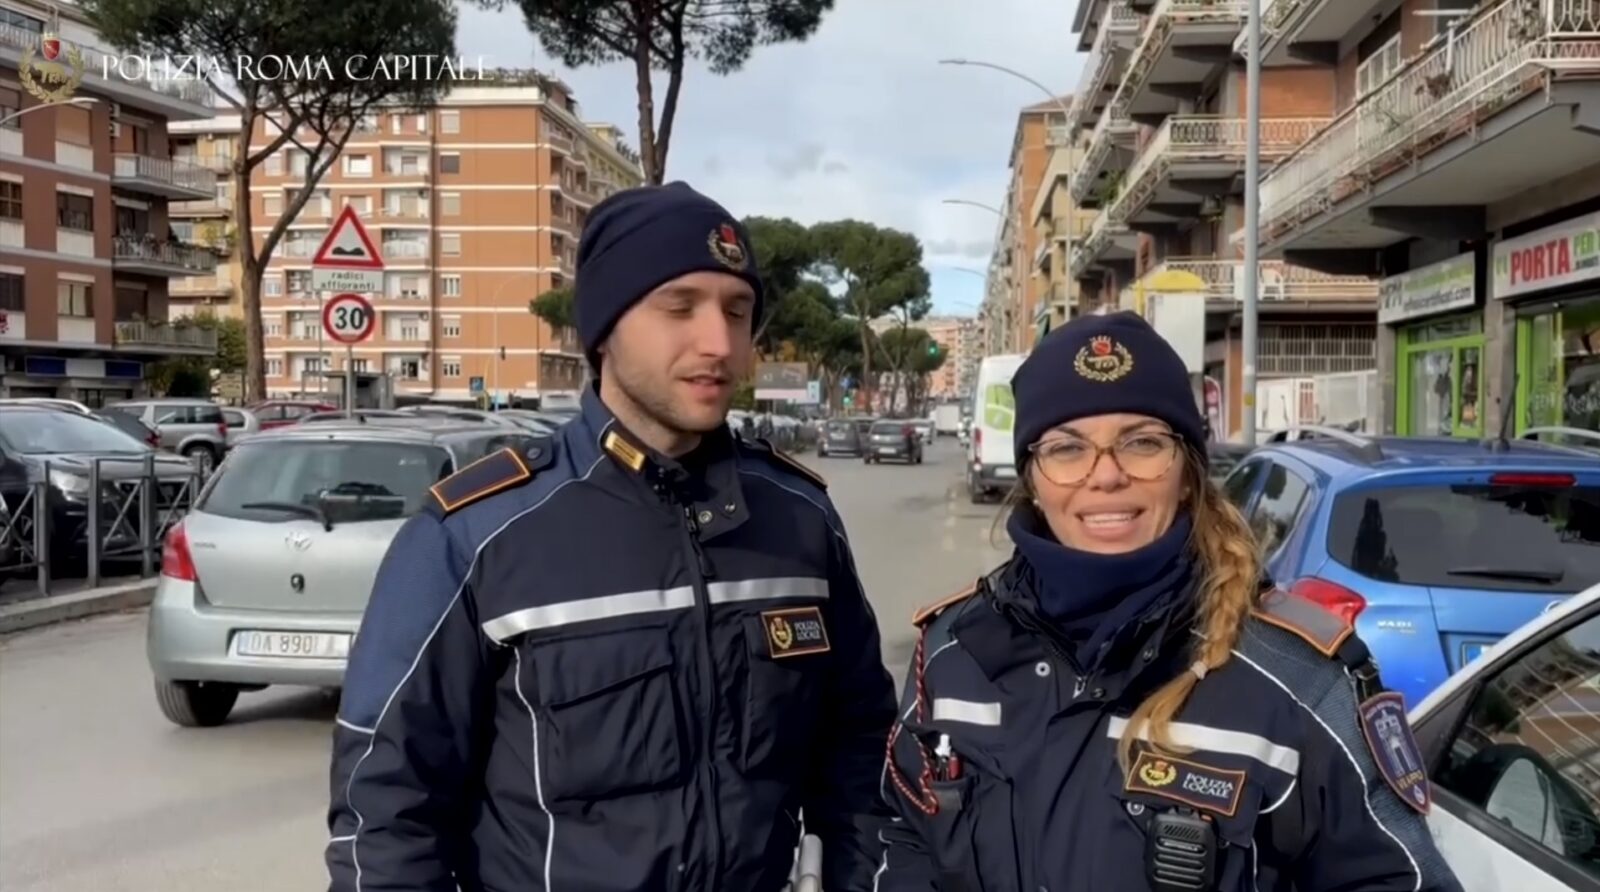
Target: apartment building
86, 252
212, 144
1461, 169
1163, 105
1014, 293
476, 206
1060, 225
956, 337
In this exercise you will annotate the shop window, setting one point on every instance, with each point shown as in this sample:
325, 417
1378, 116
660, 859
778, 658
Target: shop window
1558, 358
1441, 383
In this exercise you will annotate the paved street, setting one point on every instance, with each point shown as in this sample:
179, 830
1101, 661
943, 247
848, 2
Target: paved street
99, 793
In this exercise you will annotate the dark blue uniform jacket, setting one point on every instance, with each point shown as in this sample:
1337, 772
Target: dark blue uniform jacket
1276, 761
587, 667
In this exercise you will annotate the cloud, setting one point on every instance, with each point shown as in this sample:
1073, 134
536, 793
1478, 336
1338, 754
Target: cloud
860, 121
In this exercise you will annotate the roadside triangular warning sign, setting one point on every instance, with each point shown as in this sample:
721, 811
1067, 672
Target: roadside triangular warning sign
348, 246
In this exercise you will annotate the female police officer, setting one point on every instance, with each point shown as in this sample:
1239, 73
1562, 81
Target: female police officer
1124, 705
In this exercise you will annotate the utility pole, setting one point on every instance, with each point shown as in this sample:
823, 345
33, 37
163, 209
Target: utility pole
1252, 220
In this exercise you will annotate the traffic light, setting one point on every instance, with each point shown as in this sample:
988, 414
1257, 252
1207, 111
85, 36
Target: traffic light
933, 348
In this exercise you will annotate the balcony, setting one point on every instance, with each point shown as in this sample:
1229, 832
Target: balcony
1108, 242
559, 141
402, 249
1185, 41
1295, 31
1278, 283
1111, 149
210, 206
1193, 157
1453, 130
219, 285
1115, 36
163, 178
165, 336
585, 195
147, 256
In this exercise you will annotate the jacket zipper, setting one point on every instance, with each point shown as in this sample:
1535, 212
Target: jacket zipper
1022, 618
702, 571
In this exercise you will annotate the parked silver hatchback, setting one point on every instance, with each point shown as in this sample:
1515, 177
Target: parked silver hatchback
264, 582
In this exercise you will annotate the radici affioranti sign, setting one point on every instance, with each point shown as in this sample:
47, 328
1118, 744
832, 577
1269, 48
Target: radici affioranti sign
1446, 285
1564, 254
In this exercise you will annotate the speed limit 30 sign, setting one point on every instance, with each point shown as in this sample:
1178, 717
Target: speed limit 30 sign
348, 318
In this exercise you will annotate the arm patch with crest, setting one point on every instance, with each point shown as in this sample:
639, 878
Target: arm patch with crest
496, 472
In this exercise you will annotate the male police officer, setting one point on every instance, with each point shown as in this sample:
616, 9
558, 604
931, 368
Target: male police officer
637, 656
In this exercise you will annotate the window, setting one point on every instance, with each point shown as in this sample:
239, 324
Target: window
358, 365
10, 104
449, 122
1241, 483
1376, 68
311, 364
361, 203
75, 299
358, 165
299, 281
10, 200
272, 328
349, 481
74, 212
274, 368
449, 162
397, 124
450, 204
1282, 496
368, 123
272, 205
450, 368
1535, 534
410, 330
422, 123
1525, 756
409, 286
410, 369
275, 164
73, 125
11, 292
450, 286
450, 244
451, 327
185, 414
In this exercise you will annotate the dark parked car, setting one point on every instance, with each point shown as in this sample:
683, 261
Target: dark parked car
893, 441
844, 436
60, 448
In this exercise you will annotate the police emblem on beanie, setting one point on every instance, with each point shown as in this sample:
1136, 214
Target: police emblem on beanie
725, 247
1103, 360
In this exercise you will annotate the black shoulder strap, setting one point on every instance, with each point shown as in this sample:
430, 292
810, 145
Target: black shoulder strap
496, 472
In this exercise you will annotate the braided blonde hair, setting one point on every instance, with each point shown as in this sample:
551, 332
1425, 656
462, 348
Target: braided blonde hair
1230, 570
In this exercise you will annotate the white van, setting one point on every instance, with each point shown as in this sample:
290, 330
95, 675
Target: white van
991, 464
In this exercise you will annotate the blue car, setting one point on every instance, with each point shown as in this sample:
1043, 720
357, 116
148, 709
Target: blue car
1435, 547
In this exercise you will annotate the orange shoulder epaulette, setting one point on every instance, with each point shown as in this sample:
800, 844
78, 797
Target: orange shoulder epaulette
1305, 619
925, 615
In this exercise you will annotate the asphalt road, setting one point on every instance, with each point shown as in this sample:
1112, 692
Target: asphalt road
98, 793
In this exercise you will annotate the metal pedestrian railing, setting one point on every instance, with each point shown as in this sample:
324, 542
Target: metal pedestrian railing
121, 510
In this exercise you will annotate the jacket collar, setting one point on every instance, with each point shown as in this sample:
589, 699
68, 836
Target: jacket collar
706, 481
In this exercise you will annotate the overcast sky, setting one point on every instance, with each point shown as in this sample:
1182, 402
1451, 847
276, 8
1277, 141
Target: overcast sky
860, 121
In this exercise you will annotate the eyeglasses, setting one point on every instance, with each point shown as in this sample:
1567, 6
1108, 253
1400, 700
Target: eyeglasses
1068, 461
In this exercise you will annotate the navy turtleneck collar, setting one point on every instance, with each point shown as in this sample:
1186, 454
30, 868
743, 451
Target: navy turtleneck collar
1089, 597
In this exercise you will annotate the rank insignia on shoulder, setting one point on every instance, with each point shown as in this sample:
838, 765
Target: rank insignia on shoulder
1395, 750
495, 472
1216, 790
925, 615
1305, 619
790, 462
795, 632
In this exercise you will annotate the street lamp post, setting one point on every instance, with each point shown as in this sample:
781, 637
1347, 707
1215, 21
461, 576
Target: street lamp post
975, 204
1252, 220
76, 100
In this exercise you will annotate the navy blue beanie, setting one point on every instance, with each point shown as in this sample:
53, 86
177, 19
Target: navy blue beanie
638, 239
1099, 365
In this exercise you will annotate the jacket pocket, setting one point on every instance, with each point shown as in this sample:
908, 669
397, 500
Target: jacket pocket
610, 724
1232, 819
782, 702
973, 837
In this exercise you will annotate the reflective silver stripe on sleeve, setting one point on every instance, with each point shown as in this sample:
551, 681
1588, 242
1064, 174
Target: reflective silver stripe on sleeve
1221, 740
780, 588
966, 711
566, 613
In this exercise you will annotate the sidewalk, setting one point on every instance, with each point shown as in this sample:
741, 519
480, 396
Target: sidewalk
23, 607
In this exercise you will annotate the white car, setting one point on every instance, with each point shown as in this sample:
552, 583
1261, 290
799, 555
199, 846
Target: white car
1513, 743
